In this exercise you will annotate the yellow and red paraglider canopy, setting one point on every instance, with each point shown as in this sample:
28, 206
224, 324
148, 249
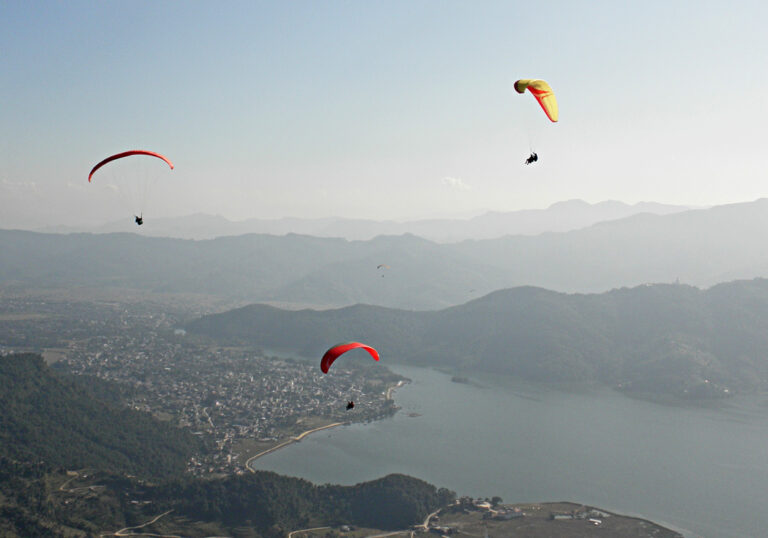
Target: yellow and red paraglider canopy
543, 94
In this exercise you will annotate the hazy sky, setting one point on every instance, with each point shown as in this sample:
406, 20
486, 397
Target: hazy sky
396, 109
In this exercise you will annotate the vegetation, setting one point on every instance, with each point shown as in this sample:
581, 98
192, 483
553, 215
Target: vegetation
265, 500
52, 428
665, 339
51, 419
38, 501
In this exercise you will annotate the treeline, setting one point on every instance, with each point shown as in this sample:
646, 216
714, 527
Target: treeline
667, 339
261, 504
274, 504
24, 510
48, 418
50, 425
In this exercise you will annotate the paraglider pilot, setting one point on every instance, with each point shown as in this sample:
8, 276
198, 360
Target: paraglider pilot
350, 405
532, 158
139, 219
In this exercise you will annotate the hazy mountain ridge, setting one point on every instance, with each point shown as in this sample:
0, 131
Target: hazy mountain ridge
559, 217
293, 268
700, 247
655, 338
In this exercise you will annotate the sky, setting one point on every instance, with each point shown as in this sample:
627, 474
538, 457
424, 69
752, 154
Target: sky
382, 110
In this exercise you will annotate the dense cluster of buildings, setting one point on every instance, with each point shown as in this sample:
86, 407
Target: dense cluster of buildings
231, 394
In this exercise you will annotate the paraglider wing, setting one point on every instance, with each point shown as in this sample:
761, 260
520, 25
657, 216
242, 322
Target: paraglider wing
339, 349
128, 154
543, 94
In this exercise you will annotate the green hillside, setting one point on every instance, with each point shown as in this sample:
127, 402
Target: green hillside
39, 501
666, 339
47, 418
72, 465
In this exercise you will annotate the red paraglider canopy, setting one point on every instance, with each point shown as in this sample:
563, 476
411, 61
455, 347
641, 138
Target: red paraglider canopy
128, 154
339, 349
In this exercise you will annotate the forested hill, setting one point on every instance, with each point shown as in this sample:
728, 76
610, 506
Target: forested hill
668, 339
36, 502
268, 500
50, 424
51, 419
700, 247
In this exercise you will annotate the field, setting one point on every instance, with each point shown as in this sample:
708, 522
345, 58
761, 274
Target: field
537, 522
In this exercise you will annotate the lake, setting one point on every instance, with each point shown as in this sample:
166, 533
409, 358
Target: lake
701, 471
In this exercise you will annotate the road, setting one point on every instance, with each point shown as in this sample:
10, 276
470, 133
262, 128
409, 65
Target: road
288, 442
388, 395
81, 488
425, 525
124, 532
290, 534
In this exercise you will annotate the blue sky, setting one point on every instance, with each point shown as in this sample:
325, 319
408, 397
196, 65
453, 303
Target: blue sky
379, 109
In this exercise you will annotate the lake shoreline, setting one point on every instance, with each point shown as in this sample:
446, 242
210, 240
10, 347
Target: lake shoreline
474, 517
388, 395
290, 441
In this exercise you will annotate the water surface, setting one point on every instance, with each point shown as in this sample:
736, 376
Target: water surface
702, 470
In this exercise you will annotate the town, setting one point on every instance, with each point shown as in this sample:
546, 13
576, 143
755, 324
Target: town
229, 394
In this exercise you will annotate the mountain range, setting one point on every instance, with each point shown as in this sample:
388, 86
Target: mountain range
698, 247
668, 339
559, 217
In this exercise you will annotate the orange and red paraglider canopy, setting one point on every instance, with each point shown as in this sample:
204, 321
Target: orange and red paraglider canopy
339, 349
128, 154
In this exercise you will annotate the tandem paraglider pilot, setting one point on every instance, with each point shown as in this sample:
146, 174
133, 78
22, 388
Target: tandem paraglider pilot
339, 349
139, 219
